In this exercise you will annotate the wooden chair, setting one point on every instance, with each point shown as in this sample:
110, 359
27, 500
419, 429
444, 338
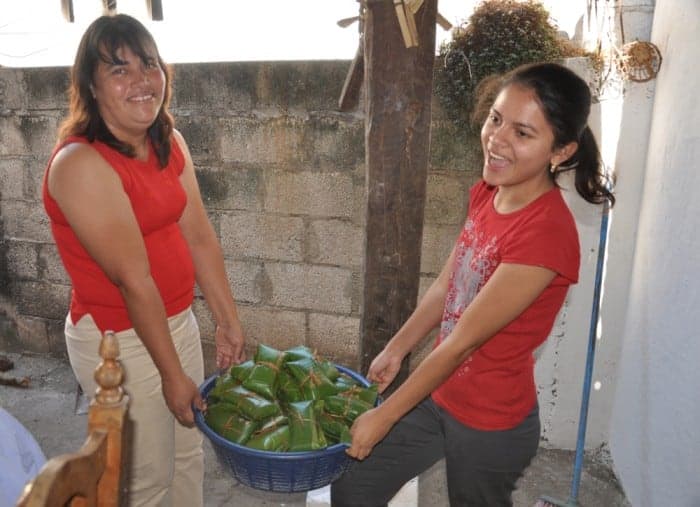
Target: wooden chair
91, 476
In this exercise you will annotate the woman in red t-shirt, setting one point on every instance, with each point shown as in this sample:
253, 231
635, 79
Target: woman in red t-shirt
472, 400
130, 226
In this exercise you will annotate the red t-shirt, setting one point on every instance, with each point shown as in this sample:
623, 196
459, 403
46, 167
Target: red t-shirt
158, 200
494, 388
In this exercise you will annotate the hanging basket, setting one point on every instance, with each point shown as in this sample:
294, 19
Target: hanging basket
639, 61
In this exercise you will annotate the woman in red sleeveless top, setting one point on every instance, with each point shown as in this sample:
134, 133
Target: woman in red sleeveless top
130, 226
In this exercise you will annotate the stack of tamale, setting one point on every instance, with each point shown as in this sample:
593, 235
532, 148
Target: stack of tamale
286, 401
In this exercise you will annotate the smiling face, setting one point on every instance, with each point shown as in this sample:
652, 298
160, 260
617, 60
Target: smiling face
129, 93
518, 145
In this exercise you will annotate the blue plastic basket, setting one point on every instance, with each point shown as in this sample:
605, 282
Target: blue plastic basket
282, 472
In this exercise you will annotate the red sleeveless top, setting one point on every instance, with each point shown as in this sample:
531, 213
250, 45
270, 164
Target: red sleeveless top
158, 200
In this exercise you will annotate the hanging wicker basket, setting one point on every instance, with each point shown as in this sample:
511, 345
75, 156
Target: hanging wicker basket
639, 61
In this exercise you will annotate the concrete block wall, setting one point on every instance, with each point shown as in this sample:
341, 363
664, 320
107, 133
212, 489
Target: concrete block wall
283, 178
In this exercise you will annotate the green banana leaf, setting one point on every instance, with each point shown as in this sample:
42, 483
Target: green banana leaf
262, 378
305, 433
224, 420
334, 428
276, 440
348, 408
249, 404
366, 394
314, 383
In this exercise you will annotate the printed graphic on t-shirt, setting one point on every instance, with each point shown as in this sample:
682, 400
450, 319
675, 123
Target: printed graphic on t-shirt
476, 258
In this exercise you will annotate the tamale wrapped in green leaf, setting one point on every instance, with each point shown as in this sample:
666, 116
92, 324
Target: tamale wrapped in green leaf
334, 428
312, 380
349, 408
344, 382
276, 440
329, 369
249, 404
272, 423
288, 389
241, 371
366, 394
305, 433
298, 352
262, 378
224, 420
222, 383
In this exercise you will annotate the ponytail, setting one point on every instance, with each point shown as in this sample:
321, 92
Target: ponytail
591, 182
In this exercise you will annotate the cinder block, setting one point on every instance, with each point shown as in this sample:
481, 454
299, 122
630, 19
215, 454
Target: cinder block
56, 336
39, 299
446, 154
231, 187
25, 220
243, 278
334, 336
47, 88
321, 288
204, 319
333, 142
310, 193
12, 171
202, 134
34, 169
446, 199
274, 327
359, 191
51, 266
22, 260
438, 241
12, 141
290, 86
219, 87
335, 242
39, 132
260, 236
12, 92
262, 140
32, 334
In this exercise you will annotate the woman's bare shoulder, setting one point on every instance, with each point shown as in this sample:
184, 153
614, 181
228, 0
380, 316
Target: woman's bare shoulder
79, 163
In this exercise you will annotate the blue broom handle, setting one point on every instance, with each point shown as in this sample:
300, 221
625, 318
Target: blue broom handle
583, 417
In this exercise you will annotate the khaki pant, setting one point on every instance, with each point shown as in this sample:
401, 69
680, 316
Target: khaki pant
165, 464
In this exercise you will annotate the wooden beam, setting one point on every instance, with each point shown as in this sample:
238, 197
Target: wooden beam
350, 94
109, 6
398, 85
155, 9
67, 10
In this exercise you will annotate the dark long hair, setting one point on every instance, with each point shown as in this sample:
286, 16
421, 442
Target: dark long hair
100, 42
566, 102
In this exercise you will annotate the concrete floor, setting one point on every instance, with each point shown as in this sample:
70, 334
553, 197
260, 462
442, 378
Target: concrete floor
48, 410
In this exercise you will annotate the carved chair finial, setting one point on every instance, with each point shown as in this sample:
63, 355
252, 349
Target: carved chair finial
109, 374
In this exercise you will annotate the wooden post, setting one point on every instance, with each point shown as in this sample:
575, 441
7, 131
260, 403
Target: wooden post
398, 84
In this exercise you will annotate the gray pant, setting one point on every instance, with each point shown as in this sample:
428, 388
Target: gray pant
482, 466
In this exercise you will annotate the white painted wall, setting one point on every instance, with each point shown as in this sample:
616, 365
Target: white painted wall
654, 439
561, 361
621, 122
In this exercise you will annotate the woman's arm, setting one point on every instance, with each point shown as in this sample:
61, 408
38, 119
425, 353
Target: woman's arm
511, 289
424, 319
209, 268
91, 197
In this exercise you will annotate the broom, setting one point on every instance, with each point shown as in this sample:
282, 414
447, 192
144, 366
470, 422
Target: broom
572, 501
